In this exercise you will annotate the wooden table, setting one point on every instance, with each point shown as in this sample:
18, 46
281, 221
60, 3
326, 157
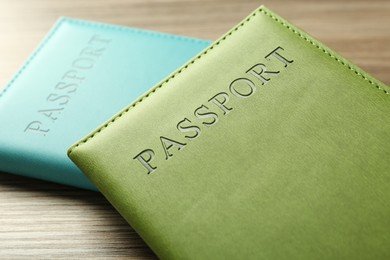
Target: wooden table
45, 220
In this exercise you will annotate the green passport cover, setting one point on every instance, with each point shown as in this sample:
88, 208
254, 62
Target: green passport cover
268, 145
81, 74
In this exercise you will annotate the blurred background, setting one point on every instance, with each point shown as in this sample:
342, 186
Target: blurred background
358, 29
44, 220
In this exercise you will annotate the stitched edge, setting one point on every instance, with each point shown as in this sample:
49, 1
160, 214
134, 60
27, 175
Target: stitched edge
135, 30
207, 50
58, 24
325, 51
33, 55
160, 85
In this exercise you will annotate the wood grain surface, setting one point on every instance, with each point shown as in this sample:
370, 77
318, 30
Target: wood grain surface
40, 220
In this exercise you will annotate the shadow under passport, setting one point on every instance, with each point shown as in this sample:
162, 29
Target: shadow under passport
54, 220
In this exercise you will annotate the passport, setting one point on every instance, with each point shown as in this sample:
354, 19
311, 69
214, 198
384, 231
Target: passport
81, 74
267, 145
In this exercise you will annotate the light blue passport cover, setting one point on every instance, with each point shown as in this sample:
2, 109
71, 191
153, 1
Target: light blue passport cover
80, 75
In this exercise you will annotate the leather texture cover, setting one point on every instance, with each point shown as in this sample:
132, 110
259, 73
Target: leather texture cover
268, 145
80, 75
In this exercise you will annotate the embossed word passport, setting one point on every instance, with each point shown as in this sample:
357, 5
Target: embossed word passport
268, 145
81, 74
